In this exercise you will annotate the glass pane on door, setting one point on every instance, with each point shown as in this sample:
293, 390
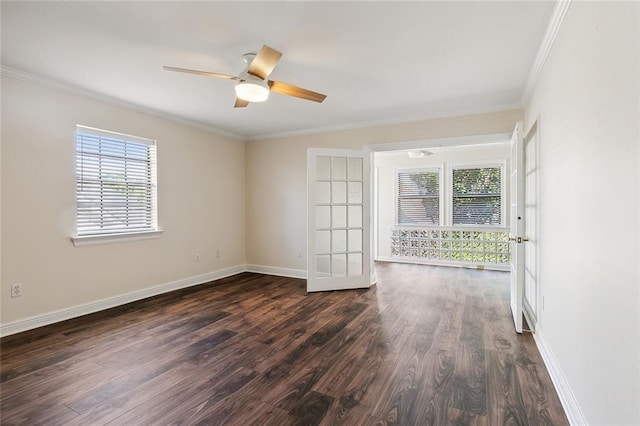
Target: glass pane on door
339, 217
323, 168
339, 168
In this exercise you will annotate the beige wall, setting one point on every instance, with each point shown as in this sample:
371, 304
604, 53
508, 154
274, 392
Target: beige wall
586, 103
201, 192
276, 178
202, 203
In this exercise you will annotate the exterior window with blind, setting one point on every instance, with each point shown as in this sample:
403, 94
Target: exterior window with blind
419, 197
115, 184
477, 196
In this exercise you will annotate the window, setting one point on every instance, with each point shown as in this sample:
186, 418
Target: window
419, 197
477, 196
115, 183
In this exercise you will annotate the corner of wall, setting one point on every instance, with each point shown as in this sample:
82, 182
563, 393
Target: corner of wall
111, 302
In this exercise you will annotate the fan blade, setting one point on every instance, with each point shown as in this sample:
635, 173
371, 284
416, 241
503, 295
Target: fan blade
298, 92
240, 103
264, 62
205, 73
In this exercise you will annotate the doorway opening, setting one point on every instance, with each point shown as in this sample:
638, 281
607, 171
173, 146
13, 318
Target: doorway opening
443, 203
438, 202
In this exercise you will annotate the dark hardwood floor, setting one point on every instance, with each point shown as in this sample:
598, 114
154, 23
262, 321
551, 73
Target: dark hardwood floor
425, 346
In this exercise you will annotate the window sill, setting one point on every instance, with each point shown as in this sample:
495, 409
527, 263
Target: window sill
91, 240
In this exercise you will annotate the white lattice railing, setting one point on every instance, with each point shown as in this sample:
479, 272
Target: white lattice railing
451, 244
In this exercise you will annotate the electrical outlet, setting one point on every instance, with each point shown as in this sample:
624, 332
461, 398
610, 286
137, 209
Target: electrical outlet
217, 253
197, 257
299, 254
16, 290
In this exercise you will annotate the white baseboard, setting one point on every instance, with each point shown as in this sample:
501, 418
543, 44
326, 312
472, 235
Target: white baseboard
281, 272
567, 398
99, 305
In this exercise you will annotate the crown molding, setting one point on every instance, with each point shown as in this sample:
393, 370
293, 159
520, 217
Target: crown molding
387, 122
453, 142
56, 84
79, 91
550, 34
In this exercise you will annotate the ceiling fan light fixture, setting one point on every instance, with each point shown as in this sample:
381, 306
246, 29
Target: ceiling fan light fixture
253, 84
252, 91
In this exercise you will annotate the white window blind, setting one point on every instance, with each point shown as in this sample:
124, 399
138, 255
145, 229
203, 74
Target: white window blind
477, 196
115, 183
419, 197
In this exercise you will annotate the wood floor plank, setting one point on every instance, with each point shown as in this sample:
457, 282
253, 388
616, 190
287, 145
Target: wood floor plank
425, 346
457, 417
534, 383
469, 379
131, 399
344, 412
311, 409
235, 411
41, 414
45, 381
436, 393
52, 390
183, 396
364, 340
375, 376
504, 396
203, 405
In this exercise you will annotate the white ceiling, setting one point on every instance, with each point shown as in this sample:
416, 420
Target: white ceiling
376, 61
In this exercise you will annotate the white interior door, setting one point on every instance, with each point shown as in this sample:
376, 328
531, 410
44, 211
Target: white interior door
517, 226
338, 220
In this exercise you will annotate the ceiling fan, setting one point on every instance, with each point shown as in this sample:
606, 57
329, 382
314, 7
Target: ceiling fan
252, 85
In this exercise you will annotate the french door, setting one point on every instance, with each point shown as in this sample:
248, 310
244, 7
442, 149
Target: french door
338, 219
517, 227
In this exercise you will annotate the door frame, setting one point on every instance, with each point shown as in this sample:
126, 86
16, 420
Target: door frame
517, 226
533, 247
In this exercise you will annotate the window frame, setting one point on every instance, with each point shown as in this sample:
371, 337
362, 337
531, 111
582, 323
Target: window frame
439, 168
121, 234
500, 164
